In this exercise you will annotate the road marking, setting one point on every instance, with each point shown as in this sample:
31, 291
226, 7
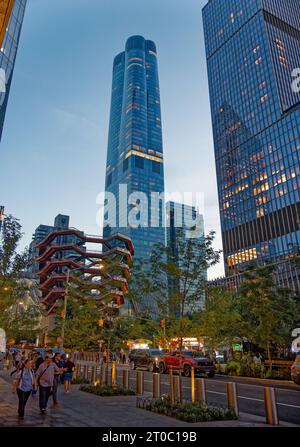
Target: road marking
289, 405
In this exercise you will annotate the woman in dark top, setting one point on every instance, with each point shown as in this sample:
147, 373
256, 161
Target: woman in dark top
69, 367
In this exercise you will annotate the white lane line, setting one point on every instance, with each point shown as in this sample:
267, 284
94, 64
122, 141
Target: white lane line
288, 405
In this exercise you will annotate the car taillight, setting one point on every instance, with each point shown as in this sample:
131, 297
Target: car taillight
293, 367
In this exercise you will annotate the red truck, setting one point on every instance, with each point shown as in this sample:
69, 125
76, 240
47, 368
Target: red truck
189, 360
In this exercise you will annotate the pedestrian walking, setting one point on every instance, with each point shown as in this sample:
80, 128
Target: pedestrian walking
45, 378
69, 367
17, 366
24, 385
57, 375
39, 361
10, 359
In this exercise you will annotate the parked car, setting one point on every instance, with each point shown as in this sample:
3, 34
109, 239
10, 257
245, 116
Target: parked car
295, 370
189, 360
145, 358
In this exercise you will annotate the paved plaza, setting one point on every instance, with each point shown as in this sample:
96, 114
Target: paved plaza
80, 409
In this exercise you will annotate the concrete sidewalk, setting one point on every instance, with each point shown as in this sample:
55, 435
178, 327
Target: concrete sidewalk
80, 409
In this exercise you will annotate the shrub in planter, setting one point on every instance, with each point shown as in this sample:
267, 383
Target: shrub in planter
188, 411
234, 368
281, 374
107, 390
221, 368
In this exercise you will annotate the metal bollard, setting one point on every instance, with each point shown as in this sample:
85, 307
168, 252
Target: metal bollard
104, 376
232, 397
176, 390
85, 372
94, 375
126, 378
192, 385
201, 390
100, 377
271, 406
156, 385
113, 373
140, 382
171, 384
108, 374
180, 384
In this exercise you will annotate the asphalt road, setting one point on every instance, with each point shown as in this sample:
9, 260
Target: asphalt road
250, 393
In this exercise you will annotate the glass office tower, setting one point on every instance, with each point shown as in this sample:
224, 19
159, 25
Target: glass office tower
253, 49
183, 223
11, 17
135, 151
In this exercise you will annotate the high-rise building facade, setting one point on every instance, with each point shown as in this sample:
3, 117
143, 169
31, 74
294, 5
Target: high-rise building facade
135, 150
253, 52
183, 222
61, 222
11, 19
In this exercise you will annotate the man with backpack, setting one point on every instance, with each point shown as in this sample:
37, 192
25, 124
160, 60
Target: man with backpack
45, 378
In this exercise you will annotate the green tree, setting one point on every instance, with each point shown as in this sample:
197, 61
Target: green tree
19, 323
220, 321
170, 283
23, 324
82, 330
268, 312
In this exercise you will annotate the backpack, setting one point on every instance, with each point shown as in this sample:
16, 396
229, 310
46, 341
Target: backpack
21, 376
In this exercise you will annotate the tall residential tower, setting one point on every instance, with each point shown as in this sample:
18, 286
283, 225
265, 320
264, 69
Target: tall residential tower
253, 51
135, 150
11, 19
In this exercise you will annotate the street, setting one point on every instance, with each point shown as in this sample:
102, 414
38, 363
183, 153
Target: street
250, 393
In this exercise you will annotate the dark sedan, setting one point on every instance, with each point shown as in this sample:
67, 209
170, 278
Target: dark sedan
145, 358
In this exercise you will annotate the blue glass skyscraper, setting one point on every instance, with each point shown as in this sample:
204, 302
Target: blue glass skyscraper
135, 150
253, 49
8, 51
184, 222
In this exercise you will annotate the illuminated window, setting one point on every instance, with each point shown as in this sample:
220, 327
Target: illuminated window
260, 212
264, 98
241, 257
